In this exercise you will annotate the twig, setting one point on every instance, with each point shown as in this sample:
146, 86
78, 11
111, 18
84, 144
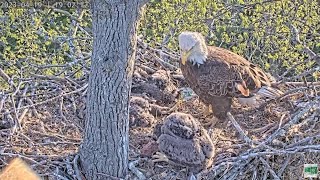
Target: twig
238, 128
3, 99
16, 116
56, 97
60, 177
6, 77
296, 40
282, 130
70, 170
61, 109
44, 77
266, 164
134, 170
76, 167
296, 83
34, 110
20, 119
109, 176
283, 167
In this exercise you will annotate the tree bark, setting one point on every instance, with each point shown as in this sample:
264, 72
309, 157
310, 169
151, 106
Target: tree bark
104, 152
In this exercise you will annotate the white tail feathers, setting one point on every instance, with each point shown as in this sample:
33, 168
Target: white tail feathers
264, 93
269, 92
253, 101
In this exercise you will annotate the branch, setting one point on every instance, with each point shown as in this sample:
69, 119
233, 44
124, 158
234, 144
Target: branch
306, 49
238, 128
266, 164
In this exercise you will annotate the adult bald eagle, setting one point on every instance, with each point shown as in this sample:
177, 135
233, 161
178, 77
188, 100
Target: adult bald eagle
216, 74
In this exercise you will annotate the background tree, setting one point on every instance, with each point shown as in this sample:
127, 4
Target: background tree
257, 30
105, 146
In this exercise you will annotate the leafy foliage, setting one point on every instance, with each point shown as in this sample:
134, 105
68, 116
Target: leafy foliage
35, 38
31, 39
255, 29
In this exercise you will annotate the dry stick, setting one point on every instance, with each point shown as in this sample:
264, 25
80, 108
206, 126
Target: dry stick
163, 63
278, 132
74, 105
61, 109
294, 120
286, 95
146, 68
307, 50
290, 92
284, 166
279, 125
264, 128
147, 46
236, 169
70, 170
20, 119
65, 13
59, 176
158, 59
314, 119
238, 160
3, 99
254, 175
265, 174
281, 119
299, 76
16, 117
238, 128
266, 164
24, 92
252, 166
5, 77
34, 110
307, 148
54, 98
109, 176
44, 77
134, 170
297, 83
24, 112
76, 167
282, 77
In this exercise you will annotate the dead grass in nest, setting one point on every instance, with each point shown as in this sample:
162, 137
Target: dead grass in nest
46, 142
273, 142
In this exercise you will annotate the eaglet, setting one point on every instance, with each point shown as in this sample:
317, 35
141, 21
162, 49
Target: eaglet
185, 142
217, 75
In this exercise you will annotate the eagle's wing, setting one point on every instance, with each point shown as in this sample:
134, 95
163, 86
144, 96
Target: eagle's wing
228, 74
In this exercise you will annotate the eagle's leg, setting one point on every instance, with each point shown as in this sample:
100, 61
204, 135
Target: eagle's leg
220, 107
177, 105
159, 157
208, 111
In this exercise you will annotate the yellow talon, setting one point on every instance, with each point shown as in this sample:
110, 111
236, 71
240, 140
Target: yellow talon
159, 157
208, 111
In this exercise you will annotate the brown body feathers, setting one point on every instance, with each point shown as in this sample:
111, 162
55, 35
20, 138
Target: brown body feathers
223, 75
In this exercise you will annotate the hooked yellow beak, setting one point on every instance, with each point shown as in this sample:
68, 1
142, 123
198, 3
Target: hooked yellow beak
184, 56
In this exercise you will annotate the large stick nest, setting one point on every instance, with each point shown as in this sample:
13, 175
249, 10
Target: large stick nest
42, 117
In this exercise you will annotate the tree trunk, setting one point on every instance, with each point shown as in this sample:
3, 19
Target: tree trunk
104, 152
